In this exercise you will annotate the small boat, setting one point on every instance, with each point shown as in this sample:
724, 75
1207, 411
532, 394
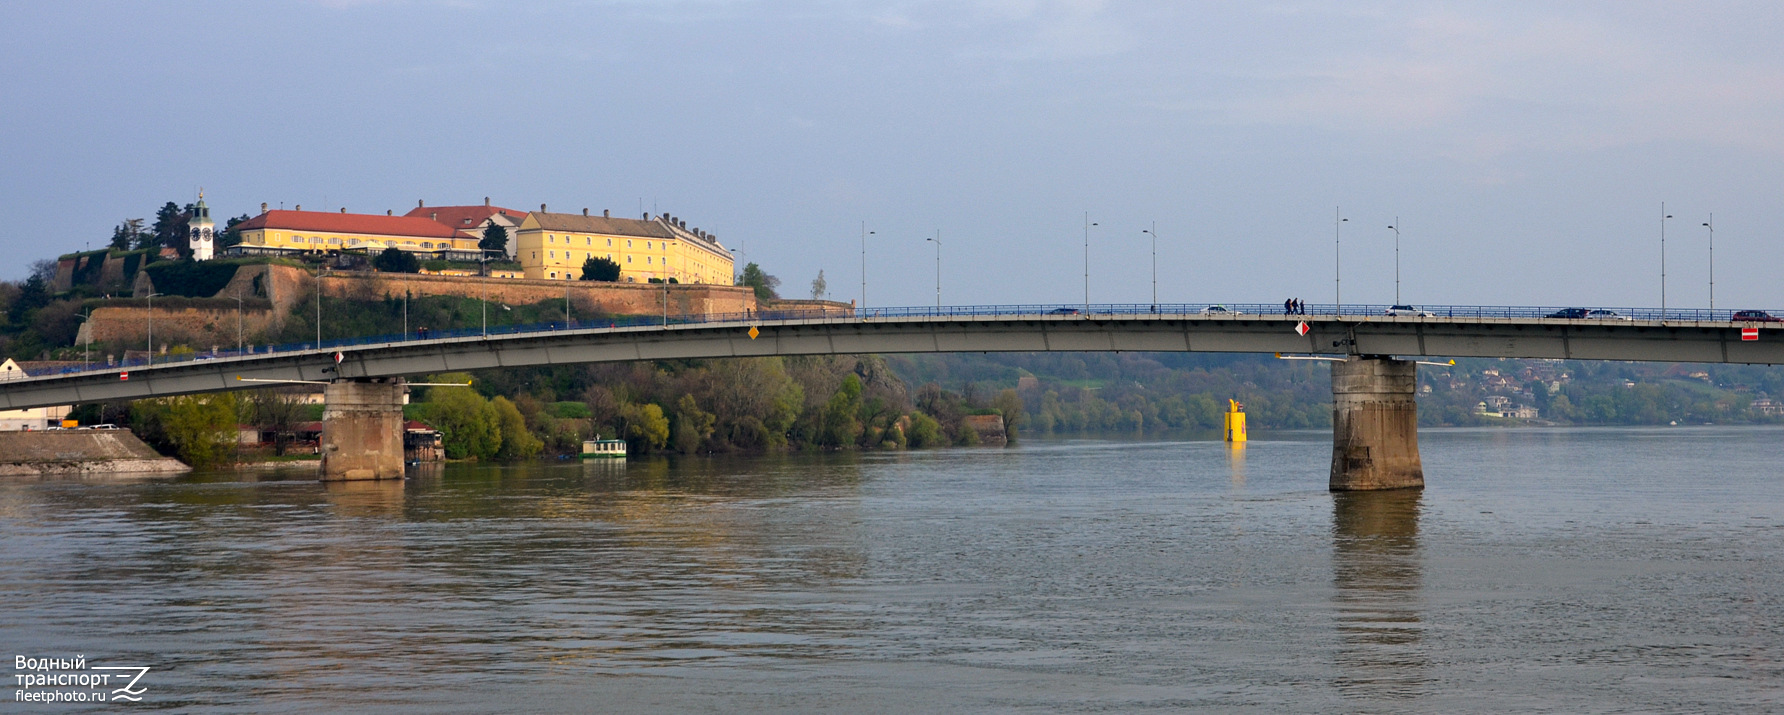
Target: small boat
603, 449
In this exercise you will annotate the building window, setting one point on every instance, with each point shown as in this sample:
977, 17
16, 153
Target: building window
610, 243
586, 241
551, 239
554, 274
647, 259
647, 245
628, 259
628, 243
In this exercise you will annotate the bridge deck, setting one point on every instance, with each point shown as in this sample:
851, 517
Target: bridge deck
1704, 341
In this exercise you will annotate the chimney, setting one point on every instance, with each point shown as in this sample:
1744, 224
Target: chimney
263, 207
343, 209
388, 212
541, 208
606, 213
298, 207
486, 201
420, 203
585, 210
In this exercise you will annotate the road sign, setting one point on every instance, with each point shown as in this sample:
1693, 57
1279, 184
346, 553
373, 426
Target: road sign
754, 332
1750, 333
1301, 327
125, 375
339, 357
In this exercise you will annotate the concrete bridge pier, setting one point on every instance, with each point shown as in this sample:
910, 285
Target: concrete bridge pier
362, 429
1375, 425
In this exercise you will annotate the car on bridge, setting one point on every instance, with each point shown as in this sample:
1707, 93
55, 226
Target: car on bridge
1569, 313
1601, 314
1219, 310
1063, 311
1407, 311
1756, 316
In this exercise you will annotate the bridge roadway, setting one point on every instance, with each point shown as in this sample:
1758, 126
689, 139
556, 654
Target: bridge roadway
924, 330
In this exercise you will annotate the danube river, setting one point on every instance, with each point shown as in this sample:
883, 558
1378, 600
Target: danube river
1542, 570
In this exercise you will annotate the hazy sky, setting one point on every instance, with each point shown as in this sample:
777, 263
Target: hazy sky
1525, 147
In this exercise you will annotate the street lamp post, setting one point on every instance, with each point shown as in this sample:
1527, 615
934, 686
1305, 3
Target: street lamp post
152, 327
1711, 225
1396, 228
1337, 271
319, 308
1154, 233
864, 235
1087, 225
238, 322
1663, 217
938, 267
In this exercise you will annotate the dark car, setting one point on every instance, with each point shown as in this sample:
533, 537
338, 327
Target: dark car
1756, 316
1063, 311
1575, 313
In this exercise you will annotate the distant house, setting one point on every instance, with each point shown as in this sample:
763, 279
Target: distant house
1522, 412
1768, 407
472, 221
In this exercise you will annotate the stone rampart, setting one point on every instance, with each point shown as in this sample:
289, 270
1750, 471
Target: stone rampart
197, 327
585, 296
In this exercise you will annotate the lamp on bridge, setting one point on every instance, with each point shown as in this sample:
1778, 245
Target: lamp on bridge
151, 298
938, 266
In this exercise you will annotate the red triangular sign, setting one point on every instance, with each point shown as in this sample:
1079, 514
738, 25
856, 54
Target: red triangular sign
1301, 327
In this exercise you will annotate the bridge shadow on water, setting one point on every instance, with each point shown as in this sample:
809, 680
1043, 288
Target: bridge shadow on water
1377, 583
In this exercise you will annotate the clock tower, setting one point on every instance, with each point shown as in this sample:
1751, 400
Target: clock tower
202, 232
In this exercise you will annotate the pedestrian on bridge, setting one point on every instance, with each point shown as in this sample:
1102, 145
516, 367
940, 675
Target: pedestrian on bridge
1288, 307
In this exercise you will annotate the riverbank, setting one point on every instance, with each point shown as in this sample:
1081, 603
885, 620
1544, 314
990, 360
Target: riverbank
80, 452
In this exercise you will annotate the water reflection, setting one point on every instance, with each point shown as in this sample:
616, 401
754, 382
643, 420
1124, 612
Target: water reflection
379, 498
1236, 464
1376, 574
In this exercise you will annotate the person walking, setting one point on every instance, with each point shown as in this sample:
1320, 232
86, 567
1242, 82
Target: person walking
1288, 307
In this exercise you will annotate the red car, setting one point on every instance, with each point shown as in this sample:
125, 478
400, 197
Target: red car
1755, 316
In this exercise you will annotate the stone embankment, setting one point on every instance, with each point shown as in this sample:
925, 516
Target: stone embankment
80, 452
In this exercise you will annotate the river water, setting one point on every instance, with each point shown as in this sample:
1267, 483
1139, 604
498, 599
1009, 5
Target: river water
1541, 570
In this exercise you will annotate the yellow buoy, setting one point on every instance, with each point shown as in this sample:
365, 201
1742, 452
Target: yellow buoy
1235, 421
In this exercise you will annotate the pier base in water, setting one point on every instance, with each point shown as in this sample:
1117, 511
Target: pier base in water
1375, 421
362, 430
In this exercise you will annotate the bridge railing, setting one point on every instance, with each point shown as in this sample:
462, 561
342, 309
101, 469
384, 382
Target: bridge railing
1051, 310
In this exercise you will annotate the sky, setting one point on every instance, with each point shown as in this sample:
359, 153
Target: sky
1524, 149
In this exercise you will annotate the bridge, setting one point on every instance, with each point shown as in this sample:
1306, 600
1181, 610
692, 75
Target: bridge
1373, 358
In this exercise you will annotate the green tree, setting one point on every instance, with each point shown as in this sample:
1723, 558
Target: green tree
600, 269
396, 260
692, 425
169, 228
231, 236
495, 238
924, 432
202, 428
469, 426
1009, 404
517, 441
819, 286
646, 426
842, 426
764, 284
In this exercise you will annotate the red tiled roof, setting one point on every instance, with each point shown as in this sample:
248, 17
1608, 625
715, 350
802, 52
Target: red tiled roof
463, 217
325, 222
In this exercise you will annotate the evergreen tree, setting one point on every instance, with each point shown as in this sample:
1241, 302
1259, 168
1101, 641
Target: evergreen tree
396, 260
754, 277
169, 228
600, 269
127, 234
495, 238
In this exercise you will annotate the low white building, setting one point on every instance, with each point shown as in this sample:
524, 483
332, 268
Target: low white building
35, 418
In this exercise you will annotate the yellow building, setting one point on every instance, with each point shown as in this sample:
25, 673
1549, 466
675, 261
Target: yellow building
294, 231
554, 246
